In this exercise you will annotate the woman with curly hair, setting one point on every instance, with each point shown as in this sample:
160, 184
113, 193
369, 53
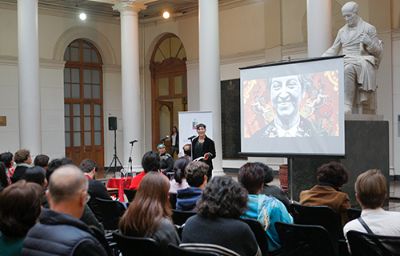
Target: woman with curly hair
149, 214
217, 221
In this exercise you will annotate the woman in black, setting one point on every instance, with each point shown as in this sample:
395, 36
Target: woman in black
203, 147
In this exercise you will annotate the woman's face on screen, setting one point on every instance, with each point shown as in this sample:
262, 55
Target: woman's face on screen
286, 95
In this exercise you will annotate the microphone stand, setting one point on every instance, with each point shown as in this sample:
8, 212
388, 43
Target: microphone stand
130, 161
191, 147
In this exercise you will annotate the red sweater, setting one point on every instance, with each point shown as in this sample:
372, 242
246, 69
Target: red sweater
136, 181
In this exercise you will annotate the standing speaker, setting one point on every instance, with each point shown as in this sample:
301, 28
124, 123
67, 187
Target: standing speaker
112, 123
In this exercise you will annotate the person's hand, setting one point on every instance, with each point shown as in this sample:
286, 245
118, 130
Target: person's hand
365, 39
206, 156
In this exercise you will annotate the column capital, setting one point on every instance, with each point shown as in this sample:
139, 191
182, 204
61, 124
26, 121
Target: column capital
129, 5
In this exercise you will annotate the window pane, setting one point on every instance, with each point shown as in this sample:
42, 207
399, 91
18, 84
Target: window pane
67, 90
86, 109
77, 124
66, 110
95, 77
87, 124
67, 75
88, 139
75, 91
86, 55
97, 124
66, 55
96, 92
178, 84
163, 88
75, 43
77, 139
67, 121
86, 76
74, 54
77, 110
75, 75
97, 138
87, 91
67, 139
97, 109
94, 57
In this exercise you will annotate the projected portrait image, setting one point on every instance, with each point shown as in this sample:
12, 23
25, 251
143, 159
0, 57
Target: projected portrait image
302, 105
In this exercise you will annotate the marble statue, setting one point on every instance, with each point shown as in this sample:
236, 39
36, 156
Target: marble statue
362, 48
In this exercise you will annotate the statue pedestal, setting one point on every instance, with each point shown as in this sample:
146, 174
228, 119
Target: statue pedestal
367, 147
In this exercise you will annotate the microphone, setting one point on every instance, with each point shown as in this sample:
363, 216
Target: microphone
165, 138
192, 137
133, 141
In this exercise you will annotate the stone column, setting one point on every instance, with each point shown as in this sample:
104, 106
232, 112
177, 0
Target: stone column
28, 75
131, 100
209, 72
319, 26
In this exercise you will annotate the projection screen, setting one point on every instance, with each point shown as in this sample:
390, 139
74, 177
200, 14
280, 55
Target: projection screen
293, 108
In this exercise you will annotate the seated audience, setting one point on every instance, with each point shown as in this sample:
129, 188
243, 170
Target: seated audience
371, 193
149, 214
179, 179
272, 190
37, 175
166, 160
4, 181
150, 162
196, 176
60, 225
96, 188
19, 210
330, 177
7, 159
217, 220
266, 209
23, 160
42, 161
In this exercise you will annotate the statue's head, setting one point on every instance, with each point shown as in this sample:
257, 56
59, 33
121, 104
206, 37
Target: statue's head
350, 13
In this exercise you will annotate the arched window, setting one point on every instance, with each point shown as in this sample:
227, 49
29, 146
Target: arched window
83, 102
169, 89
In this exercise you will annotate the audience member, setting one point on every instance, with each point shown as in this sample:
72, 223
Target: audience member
59, 230
217, 221
19, 210
23, 160
179, 179
330, 177
7, 159
166, 160
265, 209
56, 163
149, 214
96, 188
37, 175
371, 193
4, 181
196, 176
42, 161
150, 162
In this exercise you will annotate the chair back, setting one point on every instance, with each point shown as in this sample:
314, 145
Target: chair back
209, 248
353, 213
319, 215
138, 246
305, 240
177, 251
259, 233
108, 212
362, 244
180, 217
130, 194
172, 200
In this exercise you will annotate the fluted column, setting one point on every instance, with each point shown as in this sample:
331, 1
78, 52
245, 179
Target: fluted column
28, 76
319, 26
209, 73
131, 100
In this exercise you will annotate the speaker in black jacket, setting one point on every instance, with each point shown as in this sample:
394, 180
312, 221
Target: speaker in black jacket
112, 123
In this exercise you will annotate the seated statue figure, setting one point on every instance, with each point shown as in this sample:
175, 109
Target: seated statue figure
363, 51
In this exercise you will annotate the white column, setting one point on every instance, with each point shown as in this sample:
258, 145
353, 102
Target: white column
319, 26
131, 100
28, 75
209, 72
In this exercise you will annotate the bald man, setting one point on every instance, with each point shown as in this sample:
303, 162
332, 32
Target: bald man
59, 231
363, 51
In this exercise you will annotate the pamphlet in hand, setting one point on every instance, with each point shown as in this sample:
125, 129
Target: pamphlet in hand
199, 159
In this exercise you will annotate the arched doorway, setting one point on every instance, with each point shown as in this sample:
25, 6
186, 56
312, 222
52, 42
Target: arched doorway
83, 102
168, 86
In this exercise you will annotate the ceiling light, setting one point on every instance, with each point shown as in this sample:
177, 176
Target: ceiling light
166, 14
82, 16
